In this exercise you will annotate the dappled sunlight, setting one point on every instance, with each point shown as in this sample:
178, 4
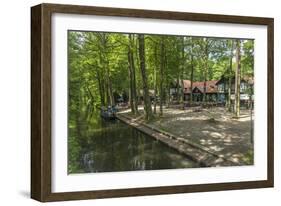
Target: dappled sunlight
227, 139
206, 142
215, 148
172, 92
216, 134
189, 118
215, 129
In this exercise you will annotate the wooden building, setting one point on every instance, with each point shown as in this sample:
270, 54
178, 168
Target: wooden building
246, 89
216, 90
197, 89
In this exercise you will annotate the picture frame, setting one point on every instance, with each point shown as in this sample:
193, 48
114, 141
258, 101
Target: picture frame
41, 101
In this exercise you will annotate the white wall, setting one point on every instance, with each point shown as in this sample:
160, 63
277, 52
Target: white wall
15, 103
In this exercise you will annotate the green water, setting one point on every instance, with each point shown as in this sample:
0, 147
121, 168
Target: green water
97, 145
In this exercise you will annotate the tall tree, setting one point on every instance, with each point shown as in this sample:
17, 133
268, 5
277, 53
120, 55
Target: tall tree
192, 69
98, 62
230, 76
104, 60
204, 44
132, 76
147, 102
237, 79
155, 78
183, 60
206, 66
162, 64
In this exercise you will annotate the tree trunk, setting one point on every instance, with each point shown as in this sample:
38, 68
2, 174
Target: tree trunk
147, 102
230, 78
105, 65
191, 73
131, 95
138, 81
178, 88
168, 94
104, 87
205, 69
162, 63
182, 72
133, 73
132, 77
101, 88
251, 119
205, 85
111, 96
155, 79
237, 80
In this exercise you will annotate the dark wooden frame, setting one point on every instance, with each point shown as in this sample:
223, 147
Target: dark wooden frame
41, 101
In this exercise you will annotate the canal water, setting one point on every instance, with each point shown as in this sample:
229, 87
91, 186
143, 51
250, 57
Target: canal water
97, 145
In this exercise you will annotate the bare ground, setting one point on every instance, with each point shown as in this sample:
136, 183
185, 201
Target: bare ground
214, 128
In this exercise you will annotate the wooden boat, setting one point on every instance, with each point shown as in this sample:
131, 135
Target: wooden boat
108, 113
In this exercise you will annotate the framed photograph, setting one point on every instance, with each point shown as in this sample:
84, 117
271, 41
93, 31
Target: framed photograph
130, 102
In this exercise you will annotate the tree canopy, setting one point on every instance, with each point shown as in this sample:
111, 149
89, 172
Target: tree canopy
105, 68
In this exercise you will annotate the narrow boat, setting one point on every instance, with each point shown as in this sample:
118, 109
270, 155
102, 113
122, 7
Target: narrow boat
108, 113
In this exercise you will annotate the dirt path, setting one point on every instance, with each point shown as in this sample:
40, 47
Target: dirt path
212, 128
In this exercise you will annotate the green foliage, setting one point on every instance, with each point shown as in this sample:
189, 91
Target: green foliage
98, 65
103, 67
247, 59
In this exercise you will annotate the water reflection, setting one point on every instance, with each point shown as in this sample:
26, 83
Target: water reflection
106, 146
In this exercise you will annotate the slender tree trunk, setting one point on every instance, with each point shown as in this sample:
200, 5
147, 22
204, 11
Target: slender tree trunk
131, 95
137, 67
205, 69
162, 63
105, 64
168, 94
155, 79
178, 88
104, 86
133, 73
135, 87
230, 78
104, 80
101, 89
155, 91
191, 73
166, 82
251, 119
112, 100
237, 79
147, 102
109, 86
205, 85
182, 72
132, 77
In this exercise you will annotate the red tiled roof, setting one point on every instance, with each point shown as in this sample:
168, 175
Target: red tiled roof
211, 86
